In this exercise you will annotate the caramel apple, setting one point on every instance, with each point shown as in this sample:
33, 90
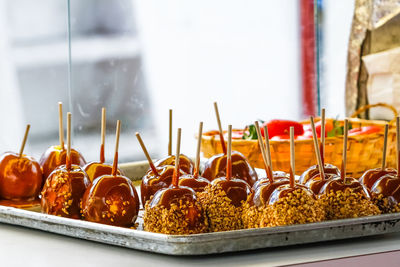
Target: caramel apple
111, 199
65, 186
223, 199
313, 171
155, 178
178, 207
20, 175
55, 156
99, 168
370, 177
345, 197
194, 181
292, 203
241, 169
186, 164
386, 189
216, 165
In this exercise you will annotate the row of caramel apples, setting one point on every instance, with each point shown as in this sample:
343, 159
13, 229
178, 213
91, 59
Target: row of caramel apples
228, 195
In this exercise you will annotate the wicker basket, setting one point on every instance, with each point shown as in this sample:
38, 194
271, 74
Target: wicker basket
364, 151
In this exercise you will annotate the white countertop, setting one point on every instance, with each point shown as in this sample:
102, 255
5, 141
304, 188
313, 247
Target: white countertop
19, 246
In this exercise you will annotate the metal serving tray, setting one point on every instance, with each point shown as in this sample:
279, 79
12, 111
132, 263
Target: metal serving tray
200, 244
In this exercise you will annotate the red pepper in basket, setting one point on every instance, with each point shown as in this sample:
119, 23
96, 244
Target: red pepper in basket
282, 127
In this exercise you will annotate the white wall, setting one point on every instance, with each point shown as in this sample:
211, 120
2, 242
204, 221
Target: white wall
243, 54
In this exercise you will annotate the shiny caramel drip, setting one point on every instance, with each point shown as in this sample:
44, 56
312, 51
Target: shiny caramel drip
263, 192
241, 169
236, 190
97, 169
277, 175
313, 171
55, 156
197, 184
151, 182
316, 182
389, 186
20, 177
63, 191
339, 184
371, 176
111, 200
185, 163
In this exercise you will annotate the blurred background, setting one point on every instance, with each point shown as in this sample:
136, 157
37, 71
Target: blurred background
139, 58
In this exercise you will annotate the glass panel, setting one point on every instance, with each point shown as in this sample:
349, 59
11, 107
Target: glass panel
140, 58
33, 72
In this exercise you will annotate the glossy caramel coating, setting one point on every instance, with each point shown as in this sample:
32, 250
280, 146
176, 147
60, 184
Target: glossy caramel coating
314, 170
185, 163
277, 175
371, 176
283, 191
388, 186
198, 184
316, 183
151, 182
111, 200
339, 184
55, 156
241, 169
263, 192
174, 210
236, 190
96, 169
20, 177
63, 191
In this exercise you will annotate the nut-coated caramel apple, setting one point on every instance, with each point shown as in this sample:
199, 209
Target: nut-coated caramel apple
55, 156
224, 198
386, 193
64, 188
185, 163
63, 191
111, 200
20, 177
340, 184
216, 167
178, 207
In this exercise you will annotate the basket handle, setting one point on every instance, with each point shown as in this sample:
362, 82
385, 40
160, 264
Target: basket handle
384, 105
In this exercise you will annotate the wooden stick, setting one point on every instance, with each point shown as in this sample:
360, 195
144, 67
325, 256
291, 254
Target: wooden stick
229, 155
292, 158
385, 147
268, 147
60, 125
317, 151
170, 134
398, 144
197, 162
344, 157
68, 159
153, 168
322, 149
175, 177
115, 162
103, 134
221, 133
263, 153
21, 150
